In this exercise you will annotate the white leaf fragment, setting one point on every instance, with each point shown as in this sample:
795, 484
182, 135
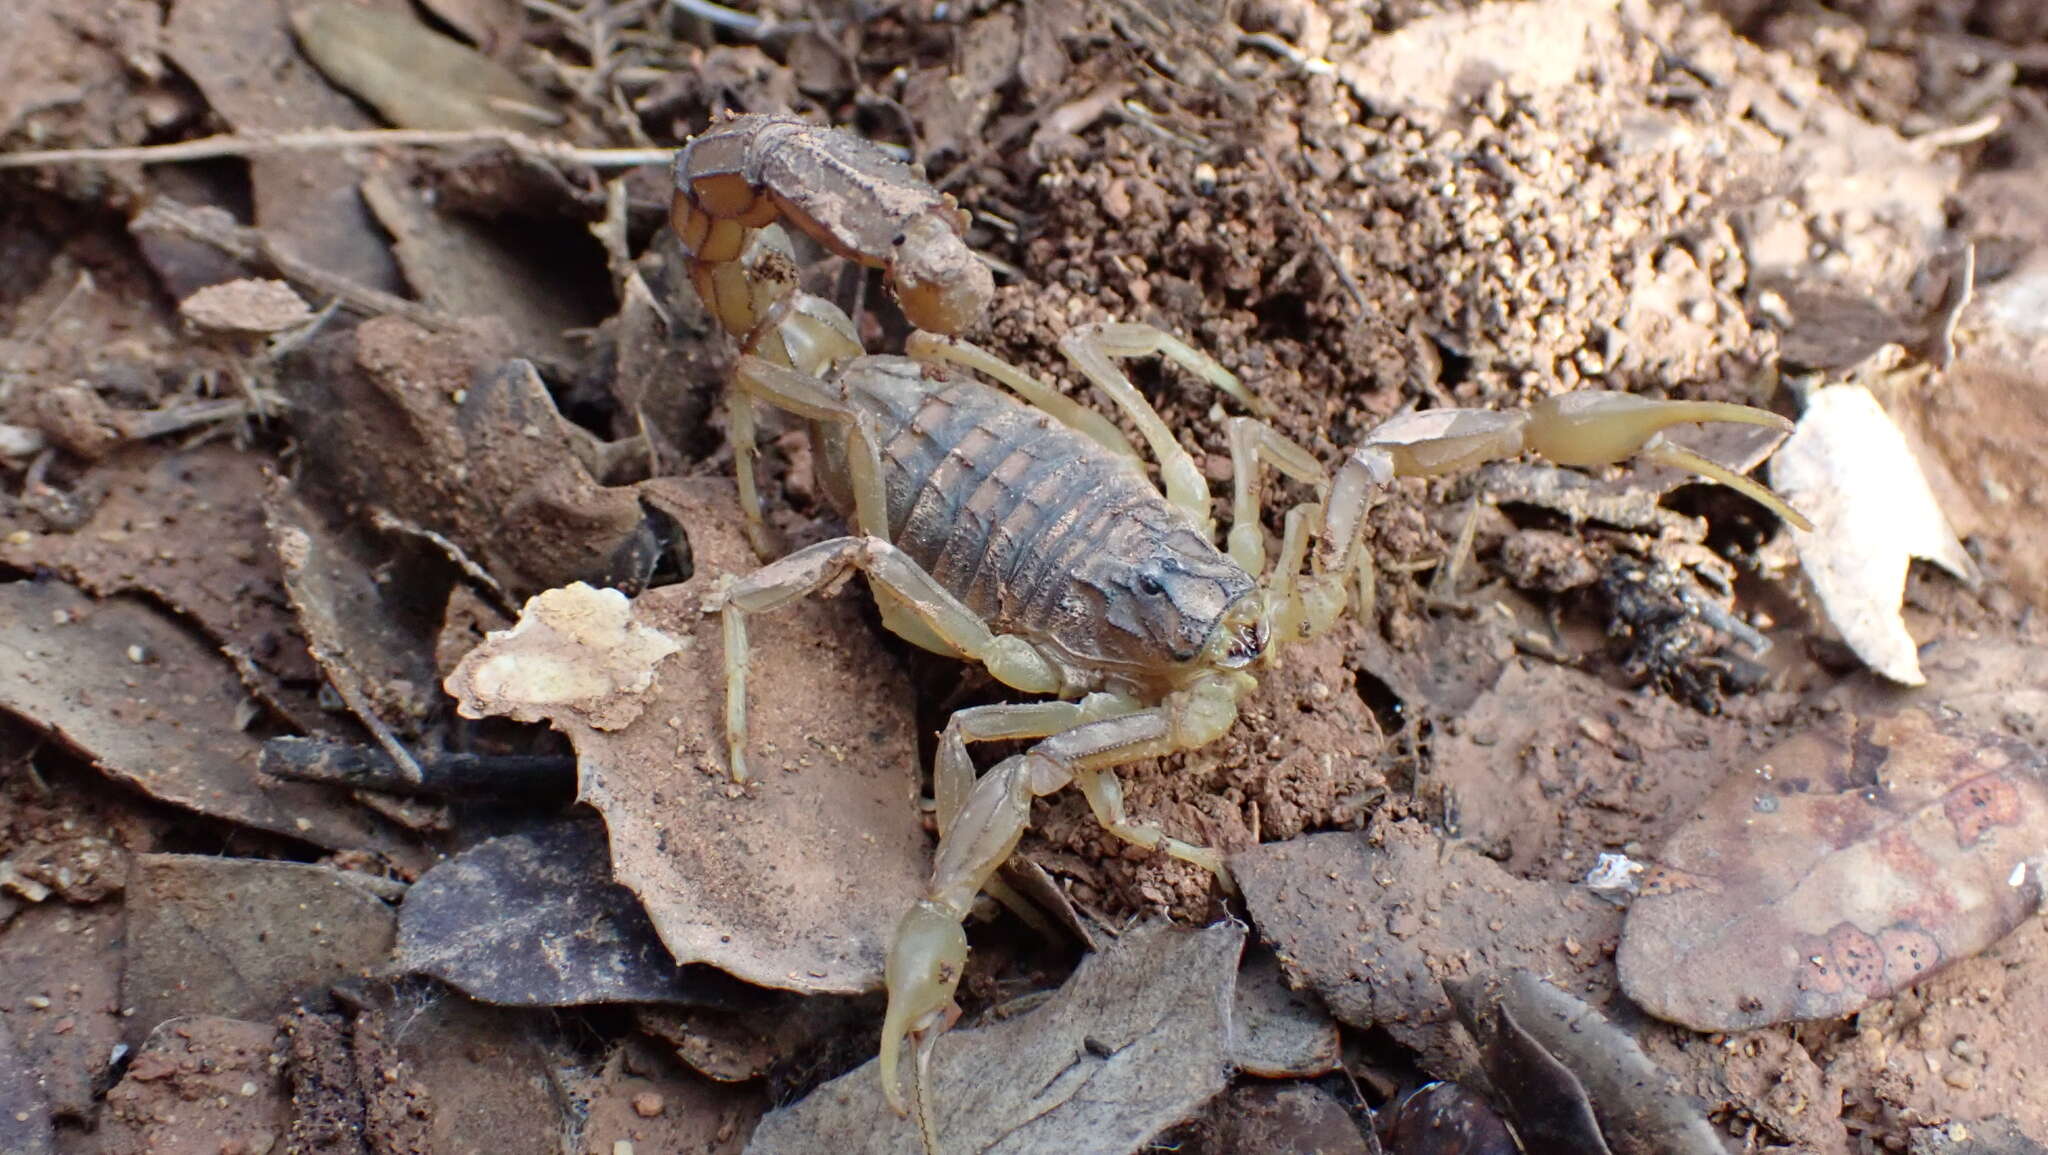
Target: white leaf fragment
575, 650
1849, 469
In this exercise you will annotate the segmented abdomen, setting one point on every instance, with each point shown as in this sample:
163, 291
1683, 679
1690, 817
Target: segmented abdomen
1001, 503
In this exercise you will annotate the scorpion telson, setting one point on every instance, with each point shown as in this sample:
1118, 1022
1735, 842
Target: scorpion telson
1020, 530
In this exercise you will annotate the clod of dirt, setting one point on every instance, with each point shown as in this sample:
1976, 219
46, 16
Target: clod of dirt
462, 1070
1850, 863
472, 922
199, 1086
1994, 1136
1296, 1119
1551, 766
449, 435
365, 612
796, 882
1433, 66
149, 705
1450, 1119
243, 937
1575, 1081
1277, 1033
415, 76
144, 536
60, 999
24, 1115
1850, 471
1375, 922
246, 306
648, 1102
576, 652
1137, 1041
242, 58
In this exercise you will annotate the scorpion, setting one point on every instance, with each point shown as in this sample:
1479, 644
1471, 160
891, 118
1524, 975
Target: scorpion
1020, 529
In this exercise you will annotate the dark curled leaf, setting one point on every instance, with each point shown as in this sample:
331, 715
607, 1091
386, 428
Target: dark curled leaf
535, 920
1574, 1081
1450, 1119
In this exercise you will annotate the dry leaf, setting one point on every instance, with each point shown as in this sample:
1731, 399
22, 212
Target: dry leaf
1276, 1032
1847, 864
1575, 1082
1848, 469
535, 919
412, 74
243, 937
1135, 1042
796, 882
24, 1115
150, 705
1375, 921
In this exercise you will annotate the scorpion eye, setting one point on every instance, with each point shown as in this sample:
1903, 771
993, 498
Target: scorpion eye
1147, 584
898, 240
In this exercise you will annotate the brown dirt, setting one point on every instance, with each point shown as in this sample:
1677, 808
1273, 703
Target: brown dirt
1353, 210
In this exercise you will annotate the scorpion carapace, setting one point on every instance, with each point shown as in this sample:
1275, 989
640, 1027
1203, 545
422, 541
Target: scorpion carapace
1020, 530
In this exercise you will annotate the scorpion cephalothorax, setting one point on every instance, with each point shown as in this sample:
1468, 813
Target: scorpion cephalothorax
1021, 531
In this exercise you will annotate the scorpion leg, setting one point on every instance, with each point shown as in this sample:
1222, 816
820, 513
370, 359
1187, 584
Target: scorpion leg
1093, 348
895, 576
934, 348
953, 769
1253, 442
930, 948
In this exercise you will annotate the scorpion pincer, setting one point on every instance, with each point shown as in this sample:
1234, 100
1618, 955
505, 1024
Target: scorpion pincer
1020, 530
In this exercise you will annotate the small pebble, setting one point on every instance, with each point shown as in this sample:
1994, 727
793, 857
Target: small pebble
647, 1104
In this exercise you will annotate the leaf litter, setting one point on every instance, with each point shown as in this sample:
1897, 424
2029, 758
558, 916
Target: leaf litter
1350, 260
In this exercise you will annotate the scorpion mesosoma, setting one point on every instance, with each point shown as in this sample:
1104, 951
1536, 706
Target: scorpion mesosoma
1020, 530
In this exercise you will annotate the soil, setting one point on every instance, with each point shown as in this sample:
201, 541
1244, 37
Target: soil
489, 378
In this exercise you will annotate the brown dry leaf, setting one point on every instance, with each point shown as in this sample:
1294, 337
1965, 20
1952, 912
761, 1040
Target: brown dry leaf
72, 958
1986, 683
24, 1115
795, 883
574, 652
463, 269
368, 612
1851, 472
128, 688
451, 436
1849, 863
1278, 1033
1980, 426
240, 54
1374, 922
413, 75
202, 1080
1134, 1043
187, 529
243, 937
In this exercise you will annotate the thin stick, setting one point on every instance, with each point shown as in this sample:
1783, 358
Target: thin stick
214, 147
252, 247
